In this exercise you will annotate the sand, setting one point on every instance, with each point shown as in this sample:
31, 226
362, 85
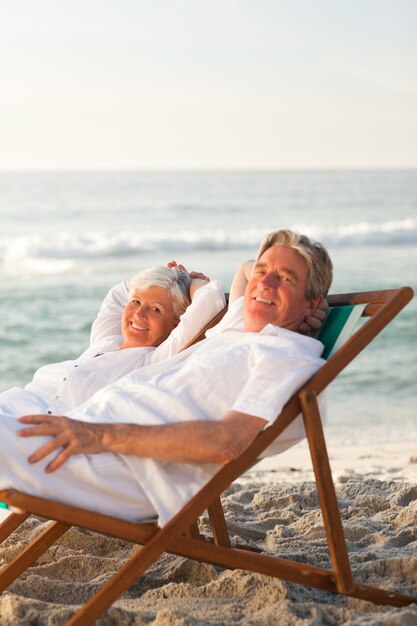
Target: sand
274, 507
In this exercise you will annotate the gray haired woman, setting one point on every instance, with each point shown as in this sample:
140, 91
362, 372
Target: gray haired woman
142, 321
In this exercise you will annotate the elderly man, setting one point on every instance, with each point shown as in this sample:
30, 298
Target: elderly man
186, 416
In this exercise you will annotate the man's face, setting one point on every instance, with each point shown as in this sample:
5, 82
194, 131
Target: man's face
148, 318
275, 292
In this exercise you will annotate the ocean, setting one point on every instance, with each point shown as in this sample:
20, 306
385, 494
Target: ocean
67, 237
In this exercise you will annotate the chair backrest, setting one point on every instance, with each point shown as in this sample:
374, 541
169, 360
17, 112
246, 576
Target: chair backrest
380, 307
338, 326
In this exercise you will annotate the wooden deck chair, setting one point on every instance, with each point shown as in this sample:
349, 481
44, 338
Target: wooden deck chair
181, 536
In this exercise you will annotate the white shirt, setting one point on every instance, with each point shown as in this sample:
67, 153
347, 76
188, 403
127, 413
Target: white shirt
255, 373
60, 387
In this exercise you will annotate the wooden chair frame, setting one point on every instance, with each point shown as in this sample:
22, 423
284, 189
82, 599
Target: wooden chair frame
181, 535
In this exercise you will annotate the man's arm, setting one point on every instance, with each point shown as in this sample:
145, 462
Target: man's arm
183, 442
240, 280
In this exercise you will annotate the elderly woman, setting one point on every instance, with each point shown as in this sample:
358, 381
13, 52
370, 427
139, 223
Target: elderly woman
149, 319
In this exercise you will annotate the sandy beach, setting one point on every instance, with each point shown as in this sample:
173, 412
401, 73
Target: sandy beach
274, 507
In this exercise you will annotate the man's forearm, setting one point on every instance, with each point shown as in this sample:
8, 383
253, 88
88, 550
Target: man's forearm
184, 442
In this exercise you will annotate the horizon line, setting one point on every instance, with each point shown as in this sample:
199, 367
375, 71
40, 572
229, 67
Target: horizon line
322, 168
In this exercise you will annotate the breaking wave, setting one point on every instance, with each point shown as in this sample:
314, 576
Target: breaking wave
47, 254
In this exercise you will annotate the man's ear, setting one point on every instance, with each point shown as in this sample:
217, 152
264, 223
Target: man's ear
313, 305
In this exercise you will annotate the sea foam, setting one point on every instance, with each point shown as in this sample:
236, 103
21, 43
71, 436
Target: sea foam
45, 254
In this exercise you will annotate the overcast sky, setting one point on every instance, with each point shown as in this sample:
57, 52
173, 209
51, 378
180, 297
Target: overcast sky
174, 84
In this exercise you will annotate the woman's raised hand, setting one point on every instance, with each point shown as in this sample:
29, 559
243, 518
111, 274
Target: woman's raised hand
199, 275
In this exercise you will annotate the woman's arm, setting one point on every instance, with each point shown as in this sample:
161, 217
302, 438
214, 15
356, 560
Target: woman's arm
108, 321
207, 299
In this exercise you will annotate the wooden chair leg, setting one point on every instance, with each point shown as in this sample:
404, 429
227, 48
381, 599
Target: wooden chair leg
22, 561
9, 525
124, 578
218, 524
326, 492
193, 531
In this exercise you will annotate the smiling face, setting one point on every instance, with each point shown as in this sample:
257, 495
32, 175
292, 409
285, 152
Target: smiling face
148, 318
275, 293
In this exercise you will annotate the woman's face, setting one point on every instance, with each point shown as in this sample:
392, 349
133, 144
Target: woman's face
148, 318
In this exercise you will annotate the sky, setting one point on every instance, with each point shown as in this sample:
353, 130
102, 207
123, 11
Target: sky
208, 84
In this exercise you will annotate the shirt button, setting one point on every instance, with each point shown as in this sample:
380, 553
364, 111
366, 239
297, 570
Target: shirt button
57, 398
75, 365
49, 412
64, 379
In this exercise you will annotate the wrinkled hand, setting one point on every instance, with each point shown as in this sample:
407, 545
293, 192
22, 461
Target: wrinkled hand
72, 436
199, 275
315, 322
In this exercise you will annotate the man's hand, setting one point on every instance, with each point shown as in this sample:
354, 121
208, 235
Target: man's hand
72, 436
315, 322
